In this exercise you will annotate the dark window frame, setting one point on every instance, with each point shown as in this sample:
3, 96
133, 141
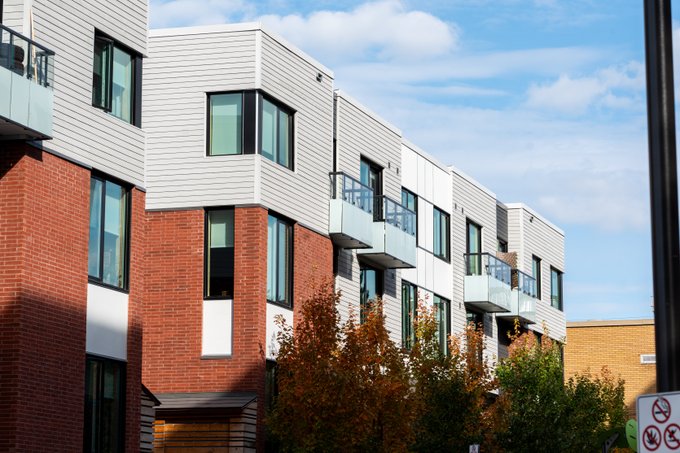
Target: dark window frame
407, 320
206, 246
261, 96
87, 433
539, 274
288, 302
560, 293
99, 281
475, 261
404, 190
447, 247
501, 245
438, 301
379, 284
136, 57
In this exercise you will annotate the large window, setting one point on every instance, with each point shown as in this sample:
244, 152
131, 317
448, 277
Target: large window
104, 405
409, 307
219, 253
441, 247
556, 288
109, 226
443, 314
371, 285
536, 273
116, 79
276, 133
370, 175
225, 125
410, 200
473, 247
279, 259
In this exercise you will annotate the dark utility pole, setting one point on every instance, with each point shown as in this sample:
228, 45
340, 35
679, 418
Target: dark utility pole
664, 192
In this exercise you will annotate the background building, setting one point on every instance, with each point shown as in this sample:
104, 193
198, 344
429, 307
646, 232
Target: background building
626, 347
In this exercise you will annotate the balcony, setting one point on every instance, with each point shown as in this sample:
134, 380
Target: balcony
26, 79
351, 212
523, 300
394, 236
487, 283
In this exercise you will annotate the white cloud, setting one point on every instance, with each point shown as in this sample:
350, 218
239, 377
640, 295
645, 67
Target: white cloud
383, 30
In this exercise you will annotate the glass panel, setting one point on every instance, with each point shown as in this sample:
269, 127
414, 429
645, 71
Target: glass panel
474, 245
271, 258
282, 263
94, 248
104, 397
269, 126
364, 176
536, 273
437, 233
92, 404
122, 89
226, 124
408, 314
114, 235
111, 399
442, 307
370, 289
555, 289
101, 73
284, 139
220, 253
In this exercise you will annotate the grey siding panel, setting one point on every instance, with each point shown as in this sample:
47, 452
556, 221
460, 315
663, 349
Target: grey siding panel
82, 132
292, 80
179, 72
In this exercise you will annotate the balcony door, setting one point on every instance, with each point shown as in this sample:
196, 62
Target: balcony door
474, 248
371, 176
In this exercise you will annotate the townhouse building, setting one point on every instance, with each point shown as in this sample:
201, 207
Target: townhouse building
267, 179
71, 224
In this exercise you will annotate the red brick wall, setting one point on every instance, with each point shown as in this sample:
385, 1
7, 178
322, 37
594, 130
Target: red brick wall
44, 214
313, 263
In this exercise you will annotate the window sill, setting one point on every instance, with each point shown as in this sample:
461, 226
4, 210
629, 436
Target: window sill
92, 281
218, 297
216, 357
280, 304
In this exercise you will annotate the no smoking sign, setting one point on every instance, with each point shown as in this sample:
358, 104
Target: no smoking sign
659, 422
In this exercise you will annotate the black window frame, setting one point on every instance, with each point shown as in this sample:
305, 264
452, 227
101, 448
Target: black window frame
501, 245
447, 247
476, 259
538, 276
378, 189
206, 246
248, 121
379, 284
288, 302
291, 128
408, 193
136, 57
439, 301
560, 292
128, 233
89, 431
407, 319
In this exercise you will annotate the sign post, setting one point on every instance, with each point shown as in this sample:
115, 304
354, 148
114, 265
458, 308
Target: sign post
659, 423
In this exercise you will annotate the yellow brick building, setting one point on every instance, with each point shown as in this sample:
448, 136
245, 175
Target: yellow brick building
626, 347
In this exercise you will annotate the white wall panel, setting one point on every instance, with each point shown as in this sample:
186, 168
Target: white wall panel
217, 328
107, 322
273, 311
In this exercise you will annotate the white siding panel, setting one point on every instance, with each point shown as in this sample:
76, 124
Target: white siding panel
107, 322
409, 162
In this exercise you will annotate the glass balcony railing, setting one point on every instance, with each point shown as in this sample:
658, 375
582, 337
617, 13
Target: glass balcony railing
389, 211
525, 283
487, 264
25, 57
350, 190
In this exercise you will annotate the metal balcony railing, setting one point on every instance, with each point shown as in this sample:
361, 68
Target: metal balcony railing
26, 57
525, 283
389, 211
352, 191
487, 264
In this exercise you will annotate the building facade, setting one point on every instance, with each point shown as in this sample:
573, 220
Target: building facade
71, 224
626, 347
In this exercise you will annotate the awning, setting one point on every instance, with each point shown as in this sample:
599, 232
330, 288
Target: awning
204, 403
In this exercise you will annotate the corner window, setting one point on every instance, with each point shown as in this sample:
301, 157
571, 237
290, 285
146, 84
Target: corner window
441, 247
116, 79
409, 307
443, 315
536, 273
371, 287
556, 288
409, 200
279, 258
109, 227
225, 124
104, 405
276, 133
219, 253
473, 247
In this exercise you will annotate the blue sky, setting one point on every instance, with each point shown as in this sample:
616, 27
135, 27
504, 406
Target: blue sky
542, 101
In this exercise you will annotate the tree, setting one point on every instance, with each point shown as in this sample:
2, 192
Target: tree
451, 391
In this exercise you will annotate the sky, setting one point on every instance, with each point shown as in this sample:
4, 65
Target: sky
542, 101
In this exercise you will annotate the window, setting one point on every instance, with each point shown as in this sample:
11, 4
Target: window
370, 175
219, 253
225, 124
477, 319
443, 315
109, 227
104, 405
279, 258
536, 273
441, 247
409, 307
556, 288
473, 247
116, 80
410, 200
371, 285
276, 133
501, 245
